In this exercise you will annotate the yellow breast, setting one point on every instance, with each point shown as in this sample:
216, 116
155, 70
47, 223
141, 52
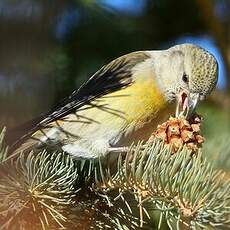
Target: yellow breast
143, 106
141, 101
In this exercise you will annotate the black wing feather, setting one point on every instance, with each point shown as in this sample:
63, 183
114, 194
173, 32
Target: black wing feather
110, 78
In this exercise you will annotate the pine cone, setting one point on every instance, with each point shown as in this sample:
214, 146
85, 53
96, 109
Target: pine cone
179, 132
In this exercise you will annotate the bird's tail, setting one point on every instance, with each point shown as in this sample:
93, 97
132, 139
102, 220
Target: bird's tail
19, 139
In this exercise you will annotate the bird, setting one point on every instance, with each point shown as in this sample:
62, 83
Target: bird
124, 101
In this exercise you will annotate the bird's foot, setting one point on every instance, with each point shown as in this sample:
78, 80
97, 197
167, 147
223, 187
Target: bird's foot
118, 149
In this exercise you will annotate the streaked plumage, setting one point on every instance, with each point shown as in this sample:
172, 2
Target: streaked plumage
124, 101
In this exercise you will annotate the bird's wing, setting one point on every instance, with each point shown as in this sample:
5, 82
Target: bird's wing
110, 78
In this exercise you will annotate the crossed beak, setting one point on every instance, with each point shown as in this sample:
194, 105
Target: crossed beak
186, 104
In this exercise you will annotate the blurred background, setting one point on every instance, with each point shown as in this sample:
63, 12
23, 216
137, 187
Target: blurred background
48, 48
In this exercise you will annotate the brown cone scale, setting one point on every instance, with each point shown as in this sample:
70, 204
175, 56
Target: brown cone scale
179, 132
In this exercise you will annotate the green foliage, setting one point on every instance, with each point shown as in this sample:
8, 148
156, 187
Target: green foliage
52, 191
55, 191
184, 189
38, 183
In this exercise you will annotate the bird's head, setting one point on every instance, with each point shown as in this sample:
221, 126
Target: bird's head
186, 73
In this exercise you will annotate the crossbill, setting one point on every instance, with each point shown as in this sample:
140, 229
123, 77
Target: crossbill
124, 101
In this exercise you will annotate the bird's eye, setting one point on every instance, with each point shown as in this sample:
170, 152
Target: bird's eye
185, 78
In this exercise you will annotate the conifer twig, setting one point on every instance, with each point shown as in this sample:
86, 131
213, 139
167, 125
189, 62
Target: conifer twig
186, 189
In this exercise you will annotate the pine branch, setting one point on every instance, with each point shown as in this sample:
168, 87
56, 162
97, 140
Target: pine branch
185, 189
38, 183
54, 191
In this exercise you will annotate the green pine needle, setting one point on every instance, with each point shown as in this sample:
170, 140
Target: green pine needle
55, 191
186, 189
37, 183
